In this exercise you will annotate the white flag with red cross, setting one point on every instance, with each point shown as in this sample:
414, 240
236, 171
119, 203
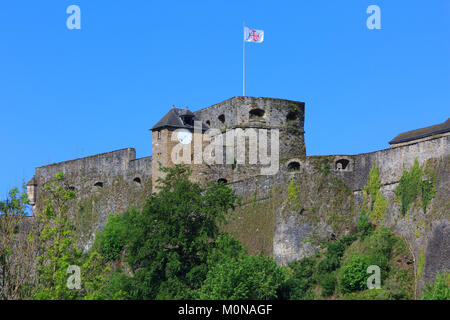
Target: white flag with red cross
252, 35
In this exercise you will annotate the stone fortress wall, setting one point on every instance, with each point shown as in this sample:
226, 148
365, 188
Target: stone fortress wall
354, 169
112, 182
95, 171
120, 171
104, 184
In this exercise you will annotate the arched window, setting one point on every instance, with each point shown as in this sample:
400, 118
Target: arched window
222, 180
137, 181
221, 118
208, 123
342, 164
256, 114
293, 166
98, 184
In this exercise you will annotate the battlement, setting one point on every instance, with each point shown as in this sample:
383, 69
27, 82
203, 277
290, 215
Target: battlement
113, 161
251, 111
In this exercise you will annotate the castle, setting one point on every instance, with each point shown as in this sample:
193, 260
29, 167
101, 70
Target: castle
238, 113
112, 182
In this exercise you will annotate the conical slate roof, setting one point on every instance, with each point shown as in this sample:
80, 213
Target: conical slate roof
422, 133
175, 119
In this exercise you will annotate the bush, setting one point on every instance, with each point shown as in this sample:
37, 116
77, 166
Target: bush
354, 274
112, 240
296, 289
250, 277
383, 241
439, 289
328, 264
335, 249
364, 227
334, 254
328, 284
299, 286
304, 268
348, 239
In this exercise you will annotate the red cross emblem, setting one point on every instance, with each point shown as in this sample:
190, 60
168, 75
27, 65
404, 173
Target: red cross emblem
254, 35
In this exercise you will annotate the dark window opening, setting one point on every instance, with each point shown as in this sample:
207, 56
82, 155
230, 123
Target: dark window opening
222, 180
208, 123
342, 164
98, 184
137, 180
292, 116
221, 118
293, 166
256, 114
188, 120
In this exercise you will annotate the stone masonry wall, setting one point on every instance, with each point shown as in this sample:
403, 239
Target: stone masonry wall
104, 184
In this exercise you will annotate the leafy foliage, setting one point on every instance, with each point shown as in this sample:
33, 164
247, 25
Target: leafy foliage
439, 289
375, 204
328, 284
57, 247
364, 226
171, 241
12, 212
354, 276
112, 240
373, 185
249, 277
414, 184
293, 191
301, 281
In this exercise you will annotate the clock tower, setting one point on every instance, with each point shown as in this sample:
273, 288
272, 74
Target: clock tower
174, 132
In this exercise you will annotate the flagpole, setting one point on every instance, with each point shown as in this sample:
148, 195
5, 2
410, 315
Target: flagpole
243, 62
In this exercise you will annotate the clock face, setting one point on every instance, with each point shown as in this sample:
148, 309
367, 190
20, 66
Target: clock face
184, 136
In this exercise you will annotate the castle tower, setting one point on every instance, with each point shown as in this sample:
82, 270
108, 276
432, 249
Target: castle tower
235, 114
174, 130
244, 113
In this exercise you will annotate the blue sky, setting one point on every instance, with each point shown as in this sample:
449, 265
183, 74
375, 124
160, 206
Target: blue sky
73, 93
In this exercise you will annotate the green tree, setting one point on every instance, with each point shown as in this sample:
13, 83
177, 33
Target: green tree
170, 240
57, 247
12, 213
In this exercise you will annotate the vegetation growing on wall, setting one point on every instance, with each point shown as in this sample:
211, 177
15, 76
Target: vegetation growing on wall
292, 193
375, 204
416, 185
340, 271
